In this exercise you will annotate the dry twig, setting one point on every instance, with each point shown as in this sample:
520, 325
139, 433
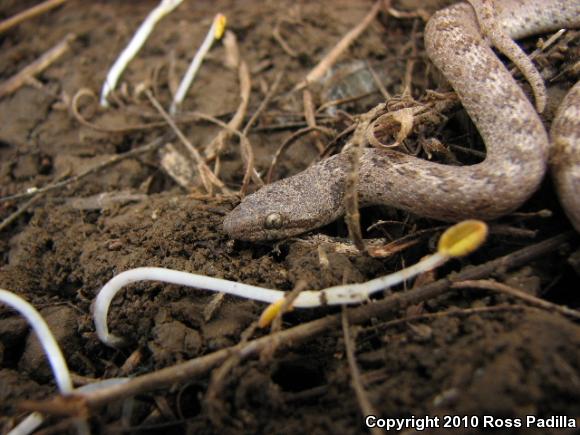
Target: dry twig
208, 178
29, 13
113, 160
519, 294
310, 116
216, 146
12, 217
27, 74
264, 102
351, 203
280, 39
85, 92
364, 403
330, 59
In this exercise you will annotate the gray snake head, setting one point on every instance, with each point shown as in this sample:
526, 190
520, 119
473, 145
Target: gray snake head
288, 207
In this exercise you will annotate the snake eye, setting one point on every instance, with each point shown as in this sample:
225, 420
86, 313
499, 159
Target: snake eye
273, 221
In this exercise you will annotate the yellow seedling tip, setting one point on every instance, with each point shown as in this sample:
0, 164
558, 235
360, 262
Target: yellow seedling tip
270, 313
220, 25
462, 238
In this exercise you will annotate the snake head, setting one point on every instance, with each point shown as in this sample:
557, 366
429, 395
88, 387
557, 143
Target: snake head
285, 208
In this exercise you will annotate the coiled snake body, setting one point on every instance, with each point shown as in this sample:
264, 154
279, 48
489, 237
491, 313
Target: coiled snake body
516, 141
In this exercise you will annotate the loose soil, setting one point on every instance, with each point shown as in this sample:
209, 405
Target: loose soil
511, 362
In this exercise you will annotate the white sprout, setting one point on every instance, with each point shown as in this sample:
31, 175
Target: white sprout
28, 425
45, 337
338, 295
51, 349
165, 7
458, 240
215, 32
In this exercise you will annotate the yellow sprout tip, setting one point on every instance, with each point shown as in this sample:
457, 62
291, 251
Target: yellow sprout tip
220, 26
462, 238
270, 313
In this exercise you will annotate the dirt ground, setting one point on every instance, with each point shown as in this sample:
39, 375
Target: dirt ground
509, 362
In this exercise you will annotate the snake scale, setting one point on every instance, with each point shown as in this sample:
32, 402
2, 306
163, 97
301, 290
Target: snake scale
518, 146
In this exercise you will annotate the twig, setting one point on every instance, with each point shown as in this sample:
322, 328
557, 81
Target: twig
330, 59
449, 313
418, 13
25, 75
293, 336
207, 176
217, 144
378, 81
408, 79
364, 403
519, 294
293, 138
215, 147
278, 38
265, 101
54, 186
352, 214
84, 92
179, 119
310, 116
344, 100
549, 42
8, 221
507, 230
29, 13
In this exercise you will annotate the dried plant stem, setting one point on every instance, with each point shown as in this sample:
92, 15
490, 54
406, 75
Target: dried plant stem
351, 202
519, 294
60, 184
277, 35
330, 59
364, 403
29, 13
25, 75
8, 221
310, 116
265, 102
217, 144
207, 176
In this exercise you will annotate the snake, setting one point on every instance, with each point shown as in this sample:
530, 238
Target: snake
459, 41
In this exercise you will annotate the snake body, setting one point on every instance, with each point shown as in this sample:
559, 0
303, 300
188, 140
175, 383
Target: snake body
516, 142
